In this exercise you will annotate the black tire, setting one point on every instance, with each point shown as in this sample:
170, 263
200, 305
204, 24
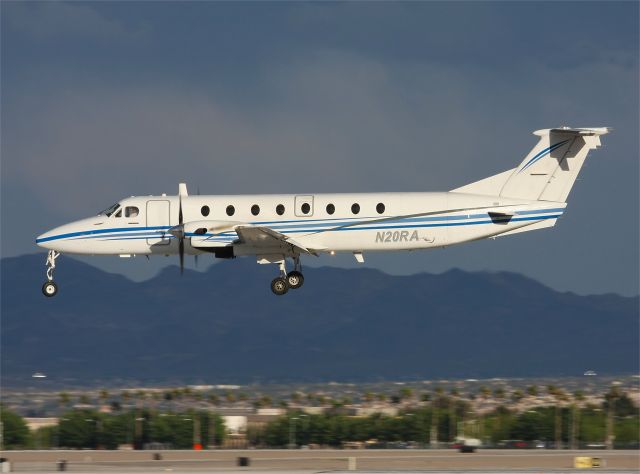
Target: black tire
295, 280
49, 289
279, 286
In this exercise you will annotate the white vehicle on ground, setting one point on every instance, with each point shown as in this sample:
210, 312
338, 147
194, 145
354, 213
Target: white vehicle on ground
275, 228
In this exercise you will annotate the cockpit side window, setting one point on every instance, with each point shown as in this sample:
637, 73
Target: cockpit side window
119, 213
110, 210
131, 211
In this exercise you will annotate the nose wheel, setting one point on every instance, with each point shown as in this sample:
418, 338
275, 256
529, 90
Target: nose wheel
49, 288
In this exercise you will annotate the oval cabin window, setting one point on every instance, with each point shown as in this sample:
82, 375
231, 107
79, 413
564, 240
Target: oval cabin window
255, 209
355, 208
279, 209
305, 208
231, 210
331, 208
204, 211
380, 208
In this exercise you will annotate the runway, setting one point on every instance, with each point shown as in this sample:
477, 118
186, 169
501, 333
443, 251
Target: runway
312, 461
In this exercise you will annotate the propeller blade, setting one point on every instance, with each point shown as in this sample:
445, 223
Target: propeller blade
181, 234
181, 250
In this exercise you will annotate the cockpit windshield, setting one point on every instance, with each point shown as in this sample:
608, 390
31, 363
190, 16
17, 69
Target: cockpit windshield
110, 210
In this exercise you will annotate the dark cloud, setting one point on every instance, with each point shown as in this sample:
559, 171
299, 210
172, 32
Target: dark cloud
323, 97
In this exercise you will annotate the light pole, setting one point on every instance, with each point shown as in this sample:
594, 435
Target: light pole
212, 430
292, 431
433, 432
137, 431
407, 417
197, 444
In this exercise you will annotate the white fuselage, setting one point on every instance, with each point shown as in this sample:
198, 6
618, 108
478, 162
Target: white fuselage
383, 221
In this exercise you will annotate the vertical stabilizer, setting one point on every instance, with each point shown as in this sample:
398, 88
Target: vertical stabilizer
550, 169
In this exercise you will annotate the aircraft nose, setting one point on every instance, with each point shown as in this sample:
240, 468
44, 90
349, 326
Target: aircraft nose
46, 240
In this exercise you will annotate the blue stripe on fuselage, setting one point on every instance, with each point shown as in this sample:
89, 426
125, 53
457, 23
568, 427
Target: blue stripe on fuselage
306, 227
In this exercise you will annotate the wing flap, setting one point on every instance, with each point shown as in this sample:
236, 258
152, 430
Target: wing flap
268, 238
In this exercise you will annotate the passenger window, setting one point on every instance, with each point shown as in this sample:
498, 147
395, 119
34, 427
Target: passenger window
331, 208
279, 209
305, 208
255, 209
355, 208
204, 211
119, 213
131, 211
380, 208
231, 210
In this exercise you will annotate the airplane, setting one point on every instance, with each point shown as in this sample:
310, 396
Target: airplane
277, 228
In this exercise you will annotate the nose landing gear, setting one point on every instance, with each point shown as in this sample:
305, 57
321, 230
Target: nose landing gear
49, 288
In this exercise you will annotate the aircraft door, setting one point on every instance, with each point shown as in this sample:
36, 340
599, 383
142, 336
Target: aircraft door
158, 219
304, 206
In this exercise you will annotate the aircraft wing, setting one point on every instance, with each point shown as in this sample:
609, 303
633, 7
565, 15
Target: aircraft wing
258, 236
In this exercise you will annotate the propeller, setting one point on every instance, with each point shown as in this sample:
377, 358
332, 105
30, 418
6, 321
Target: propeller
195, 257
178, 230
181, 237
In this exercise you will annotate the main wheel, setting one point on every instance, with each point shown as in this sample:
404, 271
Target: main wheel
49, 289
279, 286
295, 280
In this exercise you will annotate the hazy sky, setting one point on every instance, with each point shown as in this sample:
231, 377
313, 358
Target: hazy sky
104, 100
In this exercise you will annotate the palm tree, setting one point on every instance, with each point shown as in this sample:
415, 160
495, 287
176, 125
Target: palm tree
484, 391
610, 400
63, 400
578, 398
453, 399
104, 396
433, 434
559, 396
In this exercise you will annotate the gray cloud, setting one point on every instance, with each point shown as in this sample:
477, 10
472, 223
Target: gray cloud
326, 118
66, 20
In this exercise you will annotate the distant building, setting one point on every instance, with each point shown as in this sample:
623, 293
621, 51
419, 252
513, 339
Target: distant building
36, 423
368, 411
271, 411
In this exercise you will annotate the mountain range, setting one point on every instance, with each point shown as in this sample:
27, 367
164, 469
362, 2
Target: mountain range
224, 325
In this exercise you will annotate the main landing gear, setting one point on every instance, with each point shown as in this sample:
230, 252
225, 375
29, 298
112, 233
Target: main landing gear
49, 288
286, 281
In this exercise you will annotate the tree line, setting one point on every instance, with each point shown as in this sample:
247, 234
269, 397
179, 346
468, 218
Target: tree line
138, 428
569, 427
440, 419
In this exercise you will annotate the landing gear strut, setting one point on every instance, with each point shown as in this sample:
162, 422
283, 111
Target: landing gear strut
49, 288
286, 281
